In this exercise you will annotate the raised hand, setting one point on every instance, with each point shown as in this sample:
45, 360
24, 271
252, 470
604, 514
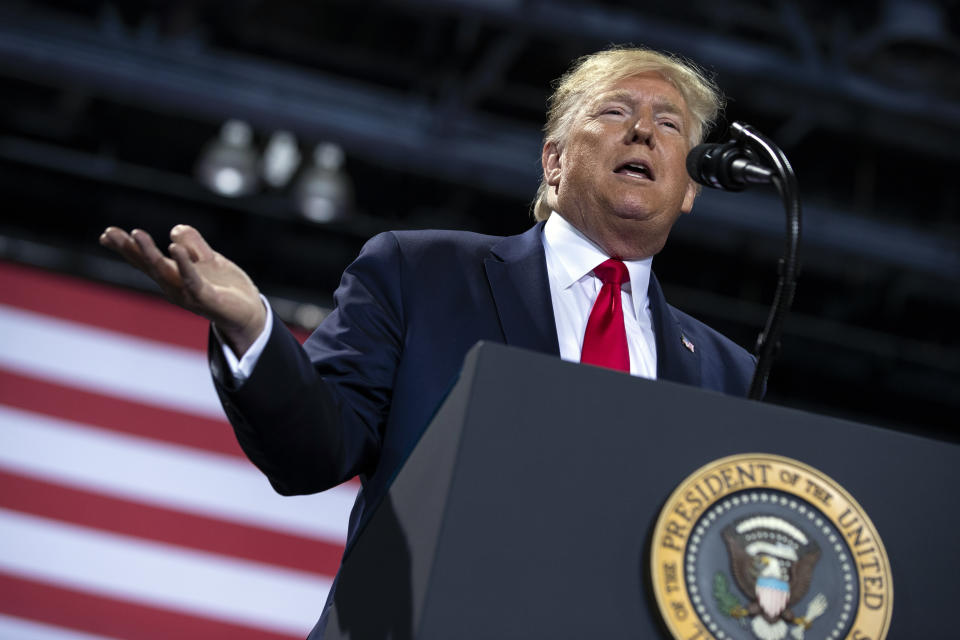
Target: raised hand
198, 279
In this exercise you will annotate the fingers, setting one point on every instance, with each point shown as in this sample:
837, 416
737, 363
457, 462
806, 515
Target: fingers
159, 267
112, 237
138, 249
192, 241
192, 280
120, 241
115, 239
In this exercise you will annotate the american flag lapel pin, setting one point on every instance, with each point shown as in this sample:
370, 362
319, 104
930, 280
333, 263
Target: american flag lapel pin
687, 343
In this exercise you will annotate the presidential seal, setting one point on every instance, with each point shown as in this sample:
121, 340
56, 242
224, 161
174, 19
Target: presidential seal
762, 547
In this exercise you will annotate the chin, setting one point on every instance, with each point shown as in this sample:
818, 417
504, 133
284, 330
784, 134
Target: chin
632, 205
634, 211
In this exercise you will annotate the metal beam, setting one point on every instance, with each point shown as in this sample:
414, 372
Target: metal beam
832, 93
390, 129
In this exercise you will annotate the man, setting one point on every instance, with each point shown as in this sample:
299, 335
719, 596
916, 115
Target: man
356, 397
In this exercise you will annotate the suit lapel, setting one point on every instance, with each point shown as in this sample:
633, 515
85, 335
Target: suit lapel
678, 359
517, 274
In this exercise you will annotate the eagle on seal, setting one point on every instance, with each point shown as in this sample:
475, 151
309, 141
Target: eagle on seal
772, 562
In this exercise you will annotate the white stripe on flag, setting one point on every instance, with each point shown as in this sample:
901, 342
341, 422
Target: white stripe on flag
160, 575
167, 475
107, 362
20, 629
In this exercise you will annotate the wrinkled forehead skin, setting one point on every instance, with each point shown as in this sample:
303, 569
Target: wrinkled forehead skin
581, 101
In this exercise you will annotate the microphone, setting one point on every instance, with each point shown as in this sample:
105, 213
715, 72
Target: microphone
734, 166
726, 166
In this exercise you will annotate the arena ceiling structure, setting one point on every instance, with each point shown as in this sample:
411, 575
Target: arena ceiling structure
416, 114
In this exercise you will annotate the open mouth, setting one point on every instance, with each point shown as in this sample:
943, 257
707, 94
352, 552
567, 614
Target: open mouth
636, 170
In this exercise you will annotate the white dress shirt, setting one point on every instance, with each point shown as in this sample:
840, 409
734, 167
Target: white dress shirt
571, 258
242, 368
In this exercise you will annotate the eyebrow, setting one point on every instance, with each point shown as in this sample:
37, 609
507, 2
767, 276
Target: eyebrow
663, 105
621, 95
660, 104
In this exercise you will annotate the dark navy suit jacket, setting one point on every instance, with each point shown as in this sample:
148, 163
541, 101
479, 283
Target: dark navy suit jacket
356, 398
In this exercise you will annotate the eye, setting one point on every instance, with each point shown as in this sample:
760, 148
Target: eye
615, 111
671, 124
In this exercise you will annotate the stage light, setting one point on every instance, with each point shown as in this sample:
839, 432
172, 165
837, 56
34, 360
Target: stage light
228, 165
324, 193
911, 46
280, 159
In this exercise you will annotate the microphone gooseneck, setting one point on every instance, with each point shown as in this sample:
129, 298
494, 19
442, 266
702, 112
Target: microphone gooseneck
750, 158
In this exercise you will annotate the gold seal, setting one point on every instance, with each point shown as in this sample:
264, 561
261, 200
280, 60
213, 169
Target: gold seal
759, 546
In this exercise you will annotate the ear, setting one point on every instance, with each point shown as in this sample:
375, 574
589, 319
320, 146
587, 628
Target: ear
689, 196
550, 159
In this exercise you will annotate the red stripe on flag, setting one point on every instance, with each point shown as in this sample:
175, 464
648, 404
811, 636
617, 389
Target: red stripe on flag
105, 307
77, 610
101, 306
117, 414
98, 511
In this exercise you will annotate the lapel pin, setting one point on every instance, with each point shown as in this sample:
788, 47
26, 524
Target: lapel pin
687, 343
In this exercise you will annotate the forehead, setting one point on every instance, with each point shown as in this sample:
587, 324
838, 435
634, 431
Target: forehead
645, 87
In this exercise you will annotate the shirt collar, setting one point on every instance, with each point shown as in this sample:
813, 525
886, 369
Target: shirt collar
575, 256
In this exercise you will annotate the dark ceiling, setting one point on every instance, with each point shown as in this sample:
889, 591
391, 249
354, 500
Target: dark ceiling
438, 105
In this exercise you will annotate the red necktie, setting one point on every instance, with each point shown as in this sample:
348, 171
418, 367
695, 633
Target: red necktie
605, 341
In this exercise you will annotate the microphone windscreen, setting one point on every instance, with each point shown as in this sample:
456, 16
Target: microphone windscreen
695, 160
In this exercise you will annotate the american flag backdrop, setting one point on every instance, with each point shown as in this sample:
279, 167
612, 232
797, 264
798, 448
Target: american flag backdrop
127, 509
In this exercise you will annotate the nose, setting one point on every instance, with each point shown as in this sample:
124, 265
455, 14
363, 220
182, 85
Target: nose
641, 132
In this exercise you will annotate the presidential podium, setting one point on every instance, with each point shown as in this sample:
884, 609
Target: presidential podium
527, 510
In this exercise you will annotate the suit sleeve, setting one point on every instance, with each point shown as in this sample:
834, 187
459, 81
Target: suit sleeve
312, 417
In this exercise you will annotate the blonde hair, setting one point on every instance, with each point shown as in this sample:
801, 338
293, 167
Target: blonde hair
593, 73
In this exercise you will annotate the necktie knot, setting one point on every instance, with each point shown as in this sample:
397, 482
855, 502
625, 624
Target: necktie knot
612, 272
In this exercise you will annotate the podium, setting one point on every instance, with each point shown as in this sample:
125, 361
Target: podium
527, 510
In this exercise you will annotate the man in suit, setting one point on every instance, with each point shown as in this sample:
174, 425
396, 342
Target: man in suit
356, 397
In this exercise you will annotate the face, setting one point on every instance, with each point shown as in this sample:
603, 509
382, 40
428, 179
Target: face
620, 177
